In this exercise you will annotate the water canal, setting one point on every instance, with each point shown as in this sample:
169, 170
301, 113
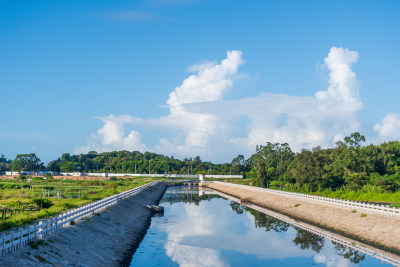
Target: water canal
211, 230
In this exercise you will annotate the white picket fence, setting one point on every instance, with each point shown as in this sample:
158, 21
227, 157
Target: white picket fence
359, 206
19, 237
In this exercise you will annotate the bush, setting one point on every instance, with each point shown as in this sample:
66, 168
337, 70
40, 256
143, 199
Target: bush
48, 176
42, 202
35, 245
22, 177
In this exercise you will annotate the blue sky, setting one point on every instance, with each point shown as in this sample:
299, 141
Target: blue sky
66, 66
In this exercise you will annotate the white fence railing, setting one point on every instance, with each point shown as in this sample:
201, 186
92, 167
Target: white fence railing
19, 237
361, 206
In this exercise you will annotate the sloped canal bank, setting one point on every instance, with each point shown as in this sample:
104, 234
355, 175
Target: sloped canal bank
105, 239
210, 230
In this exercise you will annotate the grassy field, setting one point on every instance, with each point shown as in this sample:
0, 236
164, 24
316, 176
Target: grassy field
22, 202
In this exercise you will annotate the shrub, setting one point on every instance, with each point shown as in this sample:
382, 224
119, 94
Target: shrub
48, 176
42, 202
35, 245
22, 177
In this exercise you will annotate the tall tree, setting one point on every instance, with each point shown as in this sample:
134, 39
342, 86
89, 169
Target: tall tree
27, 162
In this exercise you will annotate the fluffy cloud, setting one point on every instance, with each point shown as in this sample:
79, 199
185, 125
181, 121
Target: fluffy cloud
112, 136
201, 122
209, 84
389, 128
343, 84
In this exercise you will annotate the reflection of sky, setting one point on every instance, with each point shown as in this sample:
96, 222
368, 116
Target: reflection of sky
211, 234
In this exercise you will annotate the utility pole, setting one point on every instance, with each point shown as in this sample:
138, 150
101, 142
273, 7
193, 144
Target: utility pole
149, 165
135, 168
191, 168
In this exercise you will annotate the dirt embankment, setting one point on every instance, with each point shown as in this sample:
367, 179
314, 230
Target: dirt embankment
374, 229
107, 239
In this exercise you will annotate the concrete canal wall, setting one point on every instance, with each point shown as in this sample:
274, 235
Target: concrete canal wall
108, 238
376, 229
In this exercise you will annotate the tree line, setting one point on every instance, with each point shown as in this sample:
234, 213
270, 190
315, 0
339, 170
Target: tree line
119, 162
349, 165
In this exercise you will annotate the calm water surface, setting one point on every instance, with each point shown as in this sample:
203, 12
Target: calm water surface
213, 231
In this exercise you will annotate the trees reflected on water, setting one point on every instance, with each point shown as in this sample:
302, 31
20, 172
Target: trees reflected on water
348, 253
308, 240
188, 197
305, 240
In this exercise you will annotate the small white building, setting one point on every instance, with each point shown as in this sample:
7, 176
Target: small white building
78, 174
202, 178
12, 173
44, 172
28, 172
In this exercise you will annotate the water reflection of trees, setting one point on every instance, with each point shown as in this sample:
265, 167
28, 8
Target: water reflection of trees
304, 239
348, 253
186, 198
307, 240
261, 220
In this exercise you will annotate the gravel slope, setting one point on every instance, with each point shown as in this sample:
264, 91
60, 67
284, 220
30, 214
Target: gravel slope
107, 239
378, 230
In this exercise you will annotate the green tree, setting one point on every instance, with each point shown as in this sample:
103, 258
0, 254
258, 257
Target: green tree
68, 166
27, 162
238, 165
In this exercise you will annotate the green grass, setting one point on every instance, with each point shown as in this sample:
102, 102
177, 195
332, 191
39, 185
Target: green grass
35, 245
73, 195
363, 196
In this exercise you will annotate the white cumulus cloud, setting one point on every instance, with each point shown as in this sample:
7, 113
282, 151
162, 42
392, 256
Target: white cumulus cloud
209, 84
389, 128
201, 122
112, 136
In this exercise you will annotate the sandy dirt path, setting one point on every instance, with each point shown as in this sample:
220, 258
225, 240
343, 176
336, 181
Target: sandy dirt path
107, 239
374, 229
